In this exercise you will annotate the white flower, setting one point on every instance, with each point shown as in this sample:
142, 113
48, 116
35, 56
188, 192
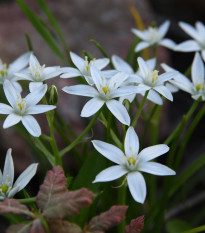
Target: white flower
22, 108
7, 71
197, 87
198, 34
7, 188
153, 36
150, 80
133, 78
37, 74
83, 67
107, 90
132, 163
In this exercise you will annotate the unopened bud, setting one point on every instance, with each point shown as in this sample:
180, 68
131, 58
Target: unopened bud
52, 95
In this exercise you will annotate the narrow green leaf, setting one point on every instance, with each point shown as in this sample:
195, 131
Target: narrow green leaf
40, 27
196, 230
176, 226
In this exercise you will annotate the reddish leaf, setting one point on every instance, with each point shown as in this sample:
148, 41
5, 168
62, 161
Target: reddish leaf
37, 227
136, 225
19, 228
56, 201
13, 206
59, 226
106, 220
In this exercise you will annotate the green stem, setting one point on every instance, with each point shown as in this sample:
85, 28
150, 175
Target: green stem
80, 137
139, 110
196, 230
188, 135
27, 200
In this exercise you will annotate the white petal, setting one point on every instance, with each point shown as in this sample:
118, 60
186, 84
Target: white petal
131, 142
109, 151
121, 65
188, 46
168, 43
201, 29
164, 91
36, 109
8, 173
185, 86
33, 86
203, 54
11, 120
153, 152
154, 97
117, 80
5, 109
171, 87
190, 30
125, 91
137, 186
10, 93
17, 87
144, 69
142, 88
91, 107
141, 45
165, 77
163, 28
51, 72
31, 125
156, 169
35, 96
111, 173
197, 70
141, 34
119, 111
33, 61
78, 61
26, 176
97, 77
1, 176
70, 72
20, 63
13, 191
82, 90
101, 63
151, 63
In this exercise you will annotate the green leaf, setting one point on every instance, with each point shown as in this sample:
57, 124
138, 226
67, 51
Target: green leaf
196, 230
91, 167
40, 27
176, 226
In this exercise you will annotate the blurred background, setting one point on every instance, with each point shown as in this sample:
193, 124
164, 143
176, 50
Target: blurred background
109, 23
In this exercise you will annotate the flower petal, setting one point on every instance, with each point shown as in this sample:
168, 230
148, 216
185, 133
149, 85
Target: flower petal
154, 97
156, 169
33, 86
26, 176
101, 63
20, 63
137, 186
111, 173
82, 90
40, 108
5, 109
165, 77
13, 191
78, 61
31, 125
125, 91
141, 34
91, 107
197, 70
164, 91
152, 152
119, 111
11, 120
109, 151
51, 72
168, 43
70, 72
162, 30
8, 173
188, 46
144, 69
141, 45
35, 96
131, 142
121, 65
97, 77
10, 93
190, 30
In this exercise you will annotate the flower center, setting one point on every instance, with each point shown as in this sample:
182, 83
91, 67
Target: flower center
131, 161
37, 71
199, 87
21, 104
87, 65
3, 69
153, 35
105, 90
4, 188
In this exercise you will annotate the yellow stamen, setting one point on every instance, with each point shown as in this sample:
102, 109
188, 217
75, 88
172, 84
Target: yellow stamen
105, 90
4, 188
155, 75
131, 161
199, 87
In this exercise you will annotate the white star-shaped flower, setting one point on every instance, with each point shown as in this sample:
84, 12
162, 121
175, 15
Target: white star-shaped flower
198, 34
7, 71
150, 80
153, 36
197, 87
7, 188
37, 74
20, 109
83, 67
132, 163
104, 92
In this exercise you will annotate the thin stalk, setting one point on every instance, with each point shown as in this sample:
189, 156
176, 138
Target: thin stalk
139, 110
155, 126
27, 200
80, 137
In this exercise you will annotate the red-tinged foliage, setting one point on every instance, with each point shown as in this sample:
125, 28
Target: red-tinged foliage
60, 226
56, 201
19, 228
107, 219
136, 225
37, 227
12, 206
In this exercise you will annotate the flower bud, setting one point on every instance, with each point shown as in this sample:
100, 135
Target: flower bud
52, 95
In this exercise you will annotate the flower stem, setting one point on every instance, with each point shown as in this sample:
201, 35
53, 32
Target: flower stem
139, 110
80, 137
